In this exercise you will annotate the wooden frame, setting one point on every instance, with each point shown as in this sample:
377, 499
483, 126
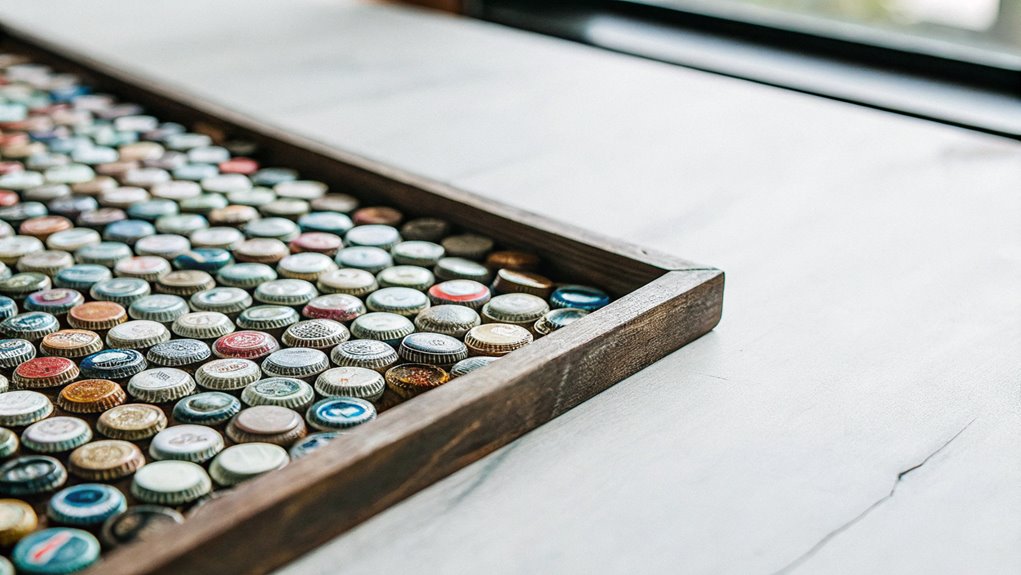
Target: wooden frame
662, 304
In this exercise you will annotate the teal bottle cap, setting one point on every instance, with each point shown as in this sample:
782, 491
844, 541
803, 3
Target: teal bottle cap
226, 300
417, 253
450, 268
161, 385
558, 319
56, 434
282, 391
8, 442
31, 326
138, 522
14, 352
367, 353
245, 275
31, 474
105, 254
146, 268
86, 504
81, 276
326, 222
151, 210
56, 301
23, 407
340, 413
312, 442
7, 307
273, 176
296, 362
216, 237
382, 326
202, 325
348, 281
137, 334
349, 381
321, 334
227, 374
466, 366
204, 259
207, 408
432, 348
170, 482
243, 462
373, 236
370, 259
267, 317
178, 353
579, 297
55, 551
293, 292
195, 443
399, 300
164, 308
452, 320
413, 277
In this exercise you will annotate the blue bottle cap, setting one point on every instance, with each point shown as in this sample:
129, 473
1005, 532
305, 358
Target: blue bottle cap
579, 297
55, 551
81, 276
151, 210
339, 413
31, 325
104, 253
128, 231
205, 259
207, 408
313, 442
31, 474
86, 504
124, 291
115, 364
329, 222
195, 172
245, 275
7, 307
270, 177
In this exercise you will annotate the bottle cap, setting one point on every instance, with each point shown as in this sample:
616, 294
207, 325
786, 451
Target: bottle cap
317, 242
417, 253
335, 413
8, 444
14, 352
342, 203
233, 215
161, 385
300, 189
285, 292
195, 443
408, 277
105, 254
432, 348
296, 362
137, 334
280, 229
127, 231
469, 246
31, 326
216, 237
209, 260
336, 306
373, 235
254, 345
57, 301
227, 374
382, 326
347, 281
170, 482
178, 353
468, 293
148, 268
14, 248
176, 190
267, 317
167, 246
557, 319
266, 424
71, 343
44, 372
282, 391
106, 460
351, 381
97, 315
207, 408
411, 379
312, 442
514, 281
181, 224
496, 339
131, 421
452, 320
321, 334
220, 183
204, 204
102, 217
578, 297
138, 522
399, 300
306, 266
20, 285
202, 325
466, 366
81, 276
164, 308
450, 268
47, 262
370, 259
367, 353
241, 462
515, 308
55, 550
226, 300
117, 364
86, 504
17, 519
261, 251
19, 408
43, 227
151, 210
254, 197
31, 474
56, 434
185, 282
290, 208
7, 307
91, 396
245, 275
76, 238
273, 176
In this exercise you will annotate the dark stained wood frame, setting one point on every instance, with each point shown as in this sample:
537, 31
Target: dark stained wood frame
663, 303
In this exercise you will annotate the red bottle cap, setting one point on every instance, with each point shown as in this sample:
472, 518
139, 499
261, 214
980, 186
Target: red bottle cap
252, 345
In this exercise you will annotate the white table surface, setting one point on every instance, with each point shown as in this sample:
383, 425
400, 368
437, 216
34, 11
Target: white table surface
857, 410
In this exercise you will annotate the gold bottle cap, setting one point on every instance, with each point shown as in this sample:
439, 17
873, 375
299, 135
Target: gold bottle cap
91, 396
131, 421
411, 379
106, 459
17, 519
71, 343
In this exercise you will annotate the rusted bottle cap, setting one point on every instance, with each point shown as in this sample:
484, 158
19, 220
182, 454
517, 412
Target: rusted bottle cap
496, 339
267, 424
44, 372
514, 281
334, 413
432, 348
425, 229
417, 253
137, 334
350, 381
282, 391
253, 345
106, 460
452, 320
71, 343
411, 379
515, 308
97, 315
412, 277
468, 293
355, 282
161, 385
377, 215
91, 396
131, 421
17, 519
227, 374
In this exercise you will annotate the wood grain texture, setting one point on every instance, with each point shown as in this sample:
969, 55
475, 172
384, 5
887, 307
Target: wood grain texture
873, 272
